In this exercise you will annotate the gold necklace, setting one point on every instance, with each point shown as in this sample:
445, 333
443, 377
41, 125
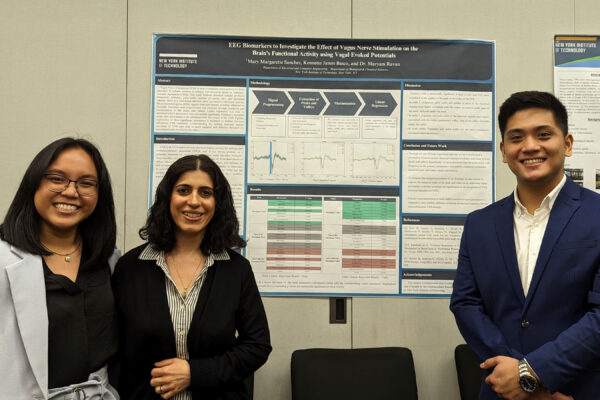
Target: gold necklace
192, 280
67, 255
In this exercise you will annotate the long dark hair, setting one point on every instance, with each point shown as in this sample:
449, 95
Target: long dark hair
223, 230
98, 232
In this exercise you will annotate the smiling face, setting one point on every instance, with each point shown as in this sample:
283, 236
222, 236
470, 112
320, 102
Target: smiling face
192, 203
61, 213
534, 148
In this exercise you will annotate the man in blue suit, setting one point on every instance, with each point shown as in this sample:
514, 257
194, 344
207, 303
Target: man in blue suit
526, 295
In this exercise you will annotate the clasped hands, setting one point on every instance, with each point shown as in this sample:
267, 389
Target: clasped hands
504, 380
170, 377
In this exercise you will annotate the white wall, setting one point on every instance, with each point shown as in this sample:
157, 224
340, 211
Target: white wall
82, 68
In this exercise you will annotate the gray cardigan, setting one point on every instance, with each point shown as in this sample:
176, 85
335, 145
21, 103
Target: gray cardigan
24, 324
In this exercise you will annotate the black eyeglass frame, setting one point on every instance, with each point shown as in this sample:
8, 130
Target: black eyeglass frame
75, 181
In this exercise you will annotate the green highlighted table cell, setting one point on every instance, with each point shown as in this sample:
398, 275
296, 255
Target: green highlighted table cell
369, 210
296, 210
295, 203
296, 222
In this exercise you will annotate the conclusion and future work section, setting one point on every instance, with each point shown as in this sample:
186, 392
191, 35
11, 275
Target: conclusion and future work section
353, 163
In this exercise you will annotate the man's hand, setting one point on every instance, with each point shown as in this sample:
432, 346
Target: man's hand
504, 378
170, 377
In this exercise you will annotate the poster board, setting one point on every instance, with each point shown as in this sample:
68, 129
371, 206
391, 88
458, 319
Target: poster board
353, 163
577, 85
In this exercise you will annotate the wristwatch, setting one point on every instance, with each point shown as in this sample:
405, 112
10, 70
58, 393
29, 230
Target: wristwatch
527, 381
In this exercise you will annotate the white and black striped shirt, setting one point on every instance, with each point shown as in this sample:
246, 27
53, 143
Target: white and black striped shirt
181, 308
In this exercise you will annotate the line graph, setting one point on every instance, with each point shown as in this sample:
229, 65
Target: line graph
373, 159
272, 158
321, 158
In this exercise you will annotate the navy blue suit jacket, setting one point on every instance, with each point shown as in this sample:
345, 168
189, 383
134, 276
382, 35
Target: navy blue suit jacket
557, 326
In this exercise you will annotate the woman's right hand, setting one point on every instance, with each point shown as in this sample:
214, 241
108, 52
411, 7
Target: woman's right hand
170, 377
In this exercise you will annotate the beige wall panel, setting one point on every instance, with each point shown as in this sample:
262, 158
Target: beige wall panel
62, 74
587, 15
295, 323
423, 325
523, 31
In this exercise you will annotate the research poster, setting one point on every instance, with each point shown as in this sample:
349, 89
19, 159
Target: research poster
577, 85
353, 163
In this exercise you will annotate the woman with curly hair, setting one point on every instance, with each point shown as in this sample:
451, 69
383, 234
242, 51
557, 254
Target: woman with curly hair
191, 320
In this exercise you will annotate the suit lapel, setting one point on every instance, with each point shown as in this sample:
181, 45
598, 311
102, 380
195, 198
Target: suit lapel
506, 237
28, 292
564, 207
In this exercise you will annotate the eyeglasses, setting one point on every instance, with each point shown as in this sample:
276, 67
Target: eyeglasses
86, 187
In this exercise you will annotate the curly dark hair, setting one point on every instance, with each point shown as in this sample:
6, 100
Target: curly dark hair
222, 231
98, 231
533, 99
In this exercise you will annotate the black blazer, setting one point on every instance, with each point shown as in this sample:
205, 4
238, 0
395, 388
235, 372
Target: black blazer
229, 302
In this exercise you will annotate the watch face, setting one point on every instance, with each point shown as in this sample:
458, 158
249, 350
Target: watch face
528, 383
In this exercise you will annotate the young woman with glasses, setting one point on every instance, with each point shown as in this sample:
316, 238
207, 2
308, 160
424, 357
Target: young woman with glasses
57, 313
192, 324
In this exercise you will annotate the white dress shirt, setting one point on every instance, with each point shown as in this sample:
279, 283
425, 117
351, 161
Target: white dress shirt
529, 231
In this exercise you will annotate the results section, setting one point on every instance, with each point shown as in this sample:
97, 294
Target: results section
332, 240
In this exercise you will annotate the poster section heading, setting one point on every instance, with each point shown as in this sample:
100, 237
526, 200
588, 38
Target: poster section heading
430, 242
392, 59
432, 283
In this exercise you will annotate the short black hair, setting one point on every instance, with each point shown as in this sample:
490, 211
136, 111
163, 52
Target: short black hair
533, 99
222, 232
98, 231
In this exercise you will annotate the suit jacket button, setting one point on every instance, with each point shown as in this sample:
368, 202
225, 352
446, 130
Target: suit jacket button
525, 323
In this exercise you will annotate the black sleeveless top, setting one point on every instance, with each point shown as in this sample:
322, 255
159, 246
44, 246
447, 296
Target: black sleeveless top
82, 331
